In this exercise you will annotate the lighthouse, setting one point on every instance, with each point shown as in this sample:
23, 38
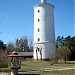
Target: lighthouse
44, 33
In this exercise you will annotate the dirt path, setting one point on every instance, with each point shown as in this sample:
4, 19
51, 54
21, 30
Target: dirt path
45, 69
55, 69
4, 74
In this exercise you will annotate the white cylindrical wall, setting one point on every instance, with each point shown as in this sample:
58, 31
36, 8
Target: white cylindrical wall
44, 30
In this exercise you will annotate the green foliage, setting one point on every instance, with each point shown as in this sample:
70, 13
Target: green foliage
68, 42
2, 45
60, 41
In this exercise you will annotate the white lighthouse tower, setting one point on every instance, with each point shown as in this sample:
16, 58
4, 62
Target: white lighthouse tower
44, 34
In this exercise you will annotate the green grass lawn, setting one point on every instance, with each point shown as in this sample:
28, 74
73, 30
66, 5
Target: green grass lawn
35, 65
41, 66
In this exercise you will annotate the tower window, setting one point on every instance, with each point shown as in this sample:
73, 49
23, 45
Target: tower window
38, 29
38, 39
38, 20
38, 11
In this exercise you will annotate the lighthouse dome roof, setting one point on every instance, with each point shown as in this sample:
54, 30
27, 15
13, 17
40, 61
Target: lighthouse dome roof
44, 4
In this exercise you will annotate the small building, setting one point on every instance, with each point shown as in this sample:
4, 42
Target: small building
25, 54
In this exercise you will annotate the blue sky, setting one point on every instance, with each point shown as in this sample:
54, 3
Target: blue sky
16, 18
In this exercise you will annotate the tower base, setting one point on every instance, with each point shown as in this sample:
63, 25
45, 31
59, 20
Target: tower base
47, 59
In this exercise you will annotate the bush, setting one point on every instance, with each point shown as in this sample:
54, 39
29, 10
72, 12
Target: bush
3, 59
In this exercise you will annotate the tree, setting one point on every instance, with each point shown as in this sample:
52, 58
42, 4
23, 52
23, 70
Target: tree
22, 44
70, 43
62, 53
10, 47
59, 41
72, 56
17, 45
3, 59
2, 45
30, 45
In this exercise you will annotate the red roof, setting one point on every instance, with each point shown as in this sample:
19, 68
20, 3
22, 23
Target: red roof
14, 54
